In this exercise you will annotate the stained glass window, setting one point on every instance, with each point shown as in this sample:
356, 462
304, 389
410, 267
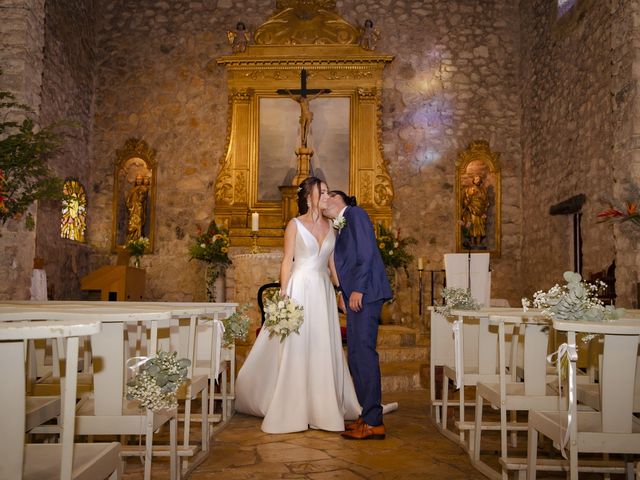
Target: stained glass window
74, 211
564, 6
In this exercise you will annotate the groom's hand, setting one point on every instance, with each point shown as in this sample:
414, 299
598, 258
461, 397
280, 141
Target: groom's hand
355, 301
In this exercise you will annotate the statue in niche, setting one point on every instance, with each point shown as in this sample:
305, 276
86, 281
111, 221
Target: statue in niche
239, 39
369, 36
475, 205
136, 203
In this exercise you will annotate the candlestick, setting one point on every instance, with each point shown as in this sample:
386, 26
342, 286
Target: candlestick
254, 237
255, 221
420, 266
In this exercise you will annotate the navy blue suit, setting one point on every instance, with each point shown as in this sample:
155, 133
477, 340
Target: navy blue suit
360, 269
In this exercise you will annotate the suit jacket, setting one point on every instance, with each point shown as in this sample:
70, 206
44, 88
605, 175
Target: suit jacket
358, 261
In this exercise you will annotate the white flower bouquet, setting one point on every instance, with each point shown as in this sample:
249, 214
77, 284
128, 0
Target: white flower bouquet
157, 380
456, 299
282, 316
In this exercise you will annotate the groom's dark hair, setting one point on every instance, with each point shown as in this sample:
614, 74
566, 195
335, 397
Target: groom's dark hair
348, 201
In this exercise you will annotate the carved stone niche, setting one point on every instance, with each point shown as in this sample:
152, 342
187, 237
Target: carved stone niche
134, 194
263, 155
478, 199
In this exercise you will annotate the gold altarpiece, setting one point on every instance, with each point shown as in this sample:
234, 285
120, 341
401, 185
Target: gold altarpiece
310, 35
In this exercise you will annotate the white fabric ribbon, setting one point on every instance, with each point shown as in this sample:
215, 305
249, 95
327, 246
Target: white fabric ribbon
457, 348
571, 352
218, 333
134, 362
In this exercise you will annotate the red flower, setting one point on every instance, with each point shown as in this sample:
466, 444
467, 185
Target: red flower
611, 213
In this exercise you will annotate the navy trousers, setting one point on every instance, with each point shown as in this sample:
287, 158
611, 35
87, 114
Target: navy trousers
362, 335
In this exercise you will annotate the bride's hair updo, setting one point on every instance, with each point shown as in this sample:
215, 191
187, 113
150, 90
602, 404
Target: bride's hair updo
348, 201
304, 191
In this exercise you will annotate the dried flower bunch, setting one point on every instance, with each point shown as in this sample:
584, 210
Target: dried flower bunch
456, 299
157, 381
575, 301
236, 325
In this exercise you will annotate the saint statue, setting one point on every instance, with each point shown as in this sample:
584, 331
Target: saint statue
475, 205
136, 203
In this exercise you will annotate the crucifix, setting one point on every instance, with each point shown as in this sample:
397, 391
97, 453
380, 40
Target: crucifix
300, 96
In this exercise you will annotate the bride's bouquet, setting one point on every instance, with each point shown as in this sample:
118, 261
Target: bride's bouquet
283, 316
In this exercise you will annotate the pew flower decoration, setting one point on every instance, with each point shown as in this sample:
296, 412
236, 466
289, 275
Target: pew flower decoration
157, 380
456, 299
236, 325
282, 316
577, 300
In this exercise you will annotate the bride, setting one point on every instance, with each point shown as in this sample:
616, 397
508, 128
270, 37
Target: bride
302, 382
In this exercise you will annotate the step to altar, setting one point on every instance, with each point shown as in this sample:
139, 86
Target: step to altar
404, 359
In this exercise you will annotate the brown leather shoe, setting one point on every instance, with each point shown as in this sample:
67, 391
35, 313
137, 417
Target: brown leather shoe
365, 432
355, 425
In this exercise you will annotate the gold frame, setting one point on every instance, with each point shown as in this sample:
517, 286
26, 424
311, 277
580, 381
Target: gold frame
134, 148
479, 151
336, 63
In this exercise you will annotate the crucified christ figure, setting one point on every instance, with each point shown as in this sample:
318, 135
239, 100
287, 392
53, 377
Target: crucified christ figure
306, 115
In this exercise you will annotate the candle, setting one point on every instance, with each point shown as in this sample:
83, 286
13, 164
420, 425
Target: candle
255, 221
420, 263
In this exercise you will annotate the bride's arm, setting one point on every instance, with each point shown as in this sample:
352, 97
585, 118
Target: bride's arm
332, 271
287, 259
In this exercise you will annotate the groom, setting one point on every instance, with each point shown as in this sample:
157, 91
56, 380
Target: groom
365, 287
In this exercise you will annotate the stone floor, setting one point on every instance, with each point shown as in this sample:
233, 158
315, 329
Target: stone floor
413, 450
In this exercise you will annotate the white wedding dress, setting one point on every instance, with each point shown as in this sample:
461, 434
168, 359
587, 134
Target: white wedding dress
304, 381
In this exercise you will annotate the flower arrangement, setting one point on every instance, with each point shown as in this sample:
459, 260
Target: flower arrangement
630, 214
236, 325
136, 249
577, 300
157, 381
394, 249
212, 245
138, 246
282, 316
456, 299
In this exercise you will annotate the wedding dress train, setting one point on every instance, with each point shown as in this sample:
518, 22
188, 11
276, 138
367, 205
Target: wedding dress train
302, 382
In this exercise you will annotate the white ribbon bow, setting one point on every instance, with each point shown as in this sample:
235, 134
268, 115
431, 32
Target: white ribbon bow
572, 355
457, 348
218, 332
134, 362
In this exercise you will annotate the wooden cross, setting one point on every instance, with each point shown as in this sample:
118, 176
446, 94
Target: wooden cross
303, 91
300, 96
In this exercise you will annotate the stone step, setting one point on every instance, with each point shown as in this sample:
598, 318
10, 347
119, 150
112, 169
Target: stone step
403, 354
396, 335
403, 376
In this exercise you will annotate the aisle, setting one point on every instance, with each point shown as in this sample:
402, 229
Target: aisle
413, 449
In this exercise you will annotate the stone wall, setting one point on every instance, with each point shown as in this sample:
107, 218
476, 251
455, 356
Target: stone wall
67, 94
454, 79
576, 111
21, 60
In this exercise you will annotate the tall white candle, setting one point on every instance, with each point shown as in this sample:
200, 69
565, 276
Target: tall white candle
420, 263
255, 221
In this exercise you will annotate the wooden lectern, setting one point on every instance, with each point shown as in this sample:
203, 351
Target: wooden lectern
116, 283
